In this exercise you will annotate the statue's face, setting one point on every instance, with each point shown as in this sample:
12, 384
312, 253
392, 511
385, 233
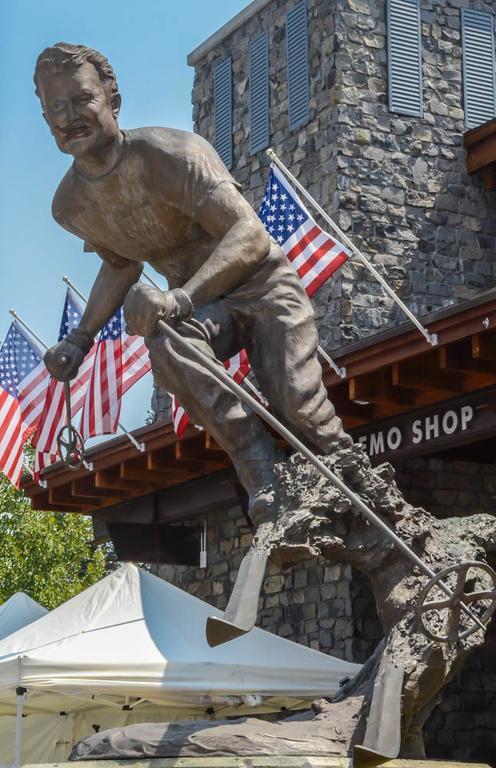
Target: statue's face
80, 112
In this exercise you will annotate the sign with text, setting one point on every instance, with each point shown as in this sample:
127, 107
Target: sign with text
431, 429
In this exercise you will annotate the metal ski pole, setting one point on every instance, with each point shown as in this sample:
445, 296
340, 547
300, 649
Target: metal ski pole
228, 632
69, 441
431, 338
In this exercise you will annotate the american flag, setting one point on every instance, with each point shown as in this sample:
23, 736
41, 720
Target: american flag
54, 414
180, 418
237, 367
102, 404
314, 254
135, 360
23, 384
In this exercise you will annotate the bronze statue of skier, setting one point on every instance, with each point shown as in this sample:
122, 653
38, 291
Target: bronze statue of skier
163, 196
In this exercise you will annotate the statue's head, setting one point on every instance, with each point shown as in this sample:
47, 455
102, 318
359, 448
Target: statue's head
78, 91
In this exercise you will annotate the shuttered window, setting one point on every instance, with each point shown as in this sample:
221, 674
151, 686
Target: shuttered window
223, 120
478, 67
405, 57
259, 93
297, 56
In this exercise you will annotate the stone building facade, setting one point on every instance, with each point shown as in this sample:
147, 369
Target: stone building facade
398, 186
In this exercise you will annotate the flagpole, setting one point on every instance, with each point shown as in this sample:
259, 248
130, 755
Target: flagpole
431, 338
28, 329
141, 447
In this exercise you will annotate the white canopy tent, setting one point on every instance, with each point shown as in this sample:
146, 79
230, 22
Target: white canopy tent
17, 611
132, 648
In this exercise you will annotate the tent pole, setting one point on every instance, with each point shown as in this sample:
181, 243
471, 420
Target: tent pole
20, 694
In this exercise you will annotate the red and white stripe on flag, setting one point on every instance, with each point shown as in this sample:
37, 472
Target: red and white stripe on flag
42, 460
102, 404
238, 366
180, 418
23, 383
314, 254
135, 360
121, 360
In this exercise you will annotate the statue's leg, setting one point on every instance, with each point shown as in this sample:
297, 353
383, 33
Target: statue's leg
209, 403
282, 340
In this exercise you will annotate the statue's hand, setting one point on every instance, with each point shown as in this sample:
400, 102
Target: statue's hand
63, 359
145, 306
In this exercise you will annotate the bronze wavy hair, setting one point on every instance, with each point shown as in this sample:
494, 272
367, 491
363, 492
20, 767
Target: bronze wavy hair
61, 55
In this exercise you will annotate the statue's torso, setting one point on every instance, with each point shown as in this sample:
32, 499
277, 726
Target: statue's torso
144, 208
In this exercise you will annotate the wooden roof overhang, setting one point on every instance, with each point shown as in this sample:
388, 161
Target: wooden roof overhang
388, 374
480, 144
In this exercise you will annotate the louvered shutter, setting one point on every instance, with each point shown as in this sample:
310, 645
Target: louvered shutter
259, 93
405, 57
297, 57
478, 67
223, 120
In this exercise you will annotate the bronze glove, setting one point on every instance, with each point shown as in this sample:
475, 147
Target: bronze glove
145, 306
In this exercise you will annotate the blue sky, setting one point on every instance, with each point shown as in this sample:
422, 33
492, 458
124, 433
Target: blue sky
147, 43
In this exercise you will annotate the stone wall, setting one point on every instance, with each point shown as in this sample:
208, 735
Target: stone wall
403, 189
398, 185
311, 602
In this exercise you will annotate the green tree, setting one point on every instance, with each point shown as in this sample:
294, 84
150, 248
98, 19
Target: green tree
48, 555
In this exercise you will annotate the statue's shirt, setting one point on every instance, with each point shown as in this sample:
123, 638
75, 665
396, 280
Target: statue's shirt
146, 207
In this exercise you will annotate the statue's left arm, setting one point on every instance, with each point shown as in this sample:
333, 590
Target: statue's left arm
243, 243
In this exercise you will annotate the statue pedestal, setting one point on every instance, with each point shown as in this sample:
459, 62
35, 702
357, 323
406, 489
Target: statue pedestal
259, 762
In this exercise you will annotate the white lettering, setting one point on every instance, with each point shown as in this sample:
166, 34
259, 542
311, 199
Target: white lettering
431, 427
417, 431
393, 438
450, 422
376, 443
467, 416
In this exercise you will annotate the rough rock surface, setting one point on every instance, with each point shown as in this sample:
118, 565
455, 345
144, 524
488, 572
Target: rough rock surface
313, 518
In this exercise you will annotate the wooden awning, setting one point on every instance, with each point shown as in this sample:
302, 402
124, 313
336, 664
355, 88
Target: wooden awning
480, 144
389, 374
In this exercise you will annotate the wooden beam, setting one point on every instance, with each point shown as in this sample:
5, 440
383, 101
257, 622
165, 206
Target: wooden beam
484, 345
110, 478
489, 176
86, 487
476, 135
353, 414
159, 478
460, 357
423, 372
202, 449
60, 499
36, 504
63, 495
164, 461
378, 387
481, 154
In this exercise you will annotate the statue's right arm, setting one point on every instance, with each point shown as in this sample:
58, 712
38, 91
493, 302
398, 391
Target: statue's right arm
107, 295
